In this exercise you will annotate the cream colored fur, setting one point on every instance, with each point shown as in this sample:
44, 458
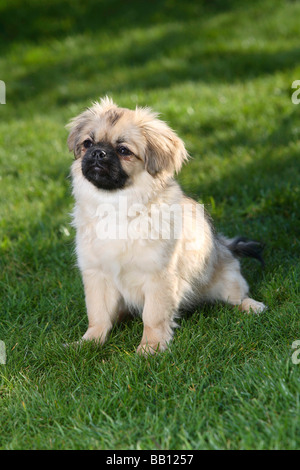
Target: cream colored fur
159, 277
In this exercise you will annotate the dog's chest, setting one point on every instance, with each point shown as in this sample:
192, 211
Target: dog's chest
119, 250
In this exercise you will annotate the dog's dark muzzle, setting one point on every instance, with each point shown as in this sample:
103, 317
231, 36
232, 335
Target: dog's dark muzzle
101, 166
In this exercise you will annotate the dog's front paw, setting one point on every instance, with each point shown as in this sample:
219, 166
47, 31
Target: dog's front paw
97, 333
146, 349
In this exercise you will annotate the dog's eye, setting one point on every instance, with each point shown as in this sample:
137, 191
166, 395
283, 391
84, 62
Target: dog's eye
87, 143
124, 151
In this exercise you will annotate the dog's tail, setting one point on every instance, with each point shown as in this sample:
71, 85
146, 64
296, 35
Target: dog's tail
242, 247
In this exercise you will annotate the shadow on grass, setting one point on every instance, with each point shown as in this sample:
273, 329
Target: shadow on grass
149, 67
183, 50
37, 21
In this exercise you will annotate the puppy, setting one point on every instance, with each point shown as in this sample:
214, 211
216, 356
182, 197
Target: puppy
142, 245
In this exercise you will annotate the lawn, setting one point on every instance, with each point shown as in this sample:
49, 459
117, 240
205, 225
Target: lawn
220, 73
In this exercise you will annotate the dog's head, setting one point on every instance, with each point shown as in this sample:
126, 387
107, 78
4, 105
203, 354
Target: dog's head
116, 144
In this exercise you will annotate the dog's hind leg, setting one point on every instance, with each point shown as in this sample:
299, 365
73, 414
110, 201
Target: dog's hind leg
230, 286
248, 305
235, 288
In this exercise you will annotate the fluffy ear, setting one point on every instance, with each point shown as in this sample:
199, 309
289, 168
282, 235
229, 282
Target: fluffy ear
75, 127
165, 151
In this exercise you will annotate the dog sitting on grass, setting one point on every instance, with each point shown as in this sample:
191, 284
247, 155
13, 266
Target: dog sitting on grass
142, 245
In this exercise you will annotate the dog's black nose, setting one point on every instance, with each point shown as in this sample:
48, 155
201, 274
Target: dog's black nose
99, 154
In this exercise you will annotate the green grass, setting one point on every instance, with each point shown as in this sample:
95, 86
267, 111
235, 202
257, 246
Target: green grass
220, 73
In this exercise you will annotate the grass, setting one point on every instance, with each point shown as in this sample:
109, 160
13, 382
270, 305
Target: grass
220, 73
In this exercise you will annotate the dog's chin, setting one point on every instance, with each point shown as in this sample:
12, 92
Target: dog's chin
102, 178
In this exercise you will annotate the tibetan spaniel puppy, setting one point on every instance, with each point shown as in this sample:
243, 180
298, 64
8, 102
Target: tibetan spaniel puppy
142, 245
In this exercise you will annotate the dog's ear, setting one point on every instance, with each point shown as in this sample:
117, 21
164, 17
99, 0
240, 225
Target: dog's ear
164, 151
75, 126
72, 138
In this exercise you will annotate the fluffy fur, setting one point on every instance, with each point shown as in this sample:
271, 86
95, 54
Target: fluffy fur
157, 277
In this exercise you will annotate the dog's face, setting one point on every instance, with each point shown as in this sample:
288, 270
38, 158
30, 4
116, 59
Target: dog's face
115, 145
